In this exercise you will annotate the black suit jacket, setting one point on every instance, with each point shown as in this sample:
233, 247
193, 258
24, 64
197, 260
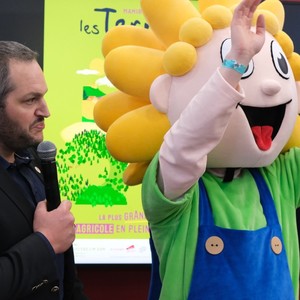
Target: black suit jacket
27, 268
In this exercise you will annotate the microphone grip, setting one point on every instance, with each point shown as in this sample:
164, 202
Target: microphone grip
49, 172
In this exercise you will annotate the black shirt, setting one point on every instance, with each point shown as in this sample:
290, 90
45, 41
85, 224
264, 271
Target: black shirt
21, 172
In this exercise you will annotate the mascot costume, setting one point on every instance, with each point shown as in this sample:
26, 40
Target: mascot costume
206, 116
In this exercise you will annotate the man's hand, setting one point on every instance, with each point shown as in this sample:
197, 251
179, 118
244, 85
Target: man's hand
56, 225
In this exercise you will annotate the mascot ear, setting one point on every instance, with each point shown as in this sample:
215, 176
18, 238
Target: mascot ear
159, 92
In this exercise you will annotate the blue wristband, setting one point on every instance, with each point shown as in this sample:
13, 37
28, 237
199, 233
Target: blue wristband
234, 65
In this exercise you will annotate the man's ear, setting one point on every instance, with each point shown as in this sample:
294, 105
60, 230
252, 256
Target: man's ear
159, 93
298, 93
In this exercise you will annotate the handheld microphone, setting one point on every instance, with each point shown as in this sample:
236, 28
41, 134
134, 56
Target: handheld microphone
47, 151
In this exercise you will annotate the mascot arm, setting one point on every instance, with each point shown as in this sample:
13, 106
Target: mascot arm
183, 154
200, 127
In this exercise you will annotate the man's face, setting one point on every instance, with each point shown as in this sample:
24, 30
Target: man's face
22, 118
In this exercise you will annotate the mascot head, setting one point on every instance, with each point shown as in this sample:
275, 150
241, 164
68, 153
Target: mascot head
158, 71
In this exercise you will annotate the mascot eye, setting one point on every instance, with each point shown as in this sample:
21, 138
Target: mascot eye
280, 61
225, 48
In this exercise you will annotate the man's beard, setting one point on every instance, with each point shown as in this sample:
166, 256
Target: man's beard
12, 136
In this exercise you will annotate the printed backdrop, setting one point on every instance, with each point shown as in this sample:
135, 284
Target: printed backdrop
111, 226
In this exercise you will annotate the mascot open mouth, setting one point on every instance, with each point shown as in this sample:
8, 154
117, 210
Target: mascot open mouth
265, 123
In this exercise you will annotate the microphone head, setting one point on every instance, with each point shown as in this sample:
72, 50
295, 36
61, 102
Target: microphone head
46, 151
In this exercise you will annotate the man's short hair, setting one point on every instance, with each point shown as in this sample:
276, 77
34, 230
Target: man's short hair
11, 50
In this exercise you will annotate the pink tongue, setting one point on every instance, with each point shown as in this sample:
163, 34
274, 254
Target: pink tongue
263, 136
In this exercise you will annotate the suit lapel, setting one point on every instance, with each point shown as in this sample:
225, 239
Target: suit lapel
14, 193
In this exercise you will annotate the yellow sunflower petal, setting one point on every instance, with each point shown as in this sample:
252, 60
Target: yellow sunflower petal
132, 69
112, 106
137, 135
134, 173
129, 35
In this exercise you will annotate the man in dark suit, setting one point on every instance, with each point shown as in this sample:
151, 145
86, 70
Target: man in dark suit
36, 256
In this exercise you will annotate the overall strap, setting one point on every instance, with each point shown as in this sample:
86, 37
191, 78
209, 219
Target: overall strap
206, 217
266, 198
